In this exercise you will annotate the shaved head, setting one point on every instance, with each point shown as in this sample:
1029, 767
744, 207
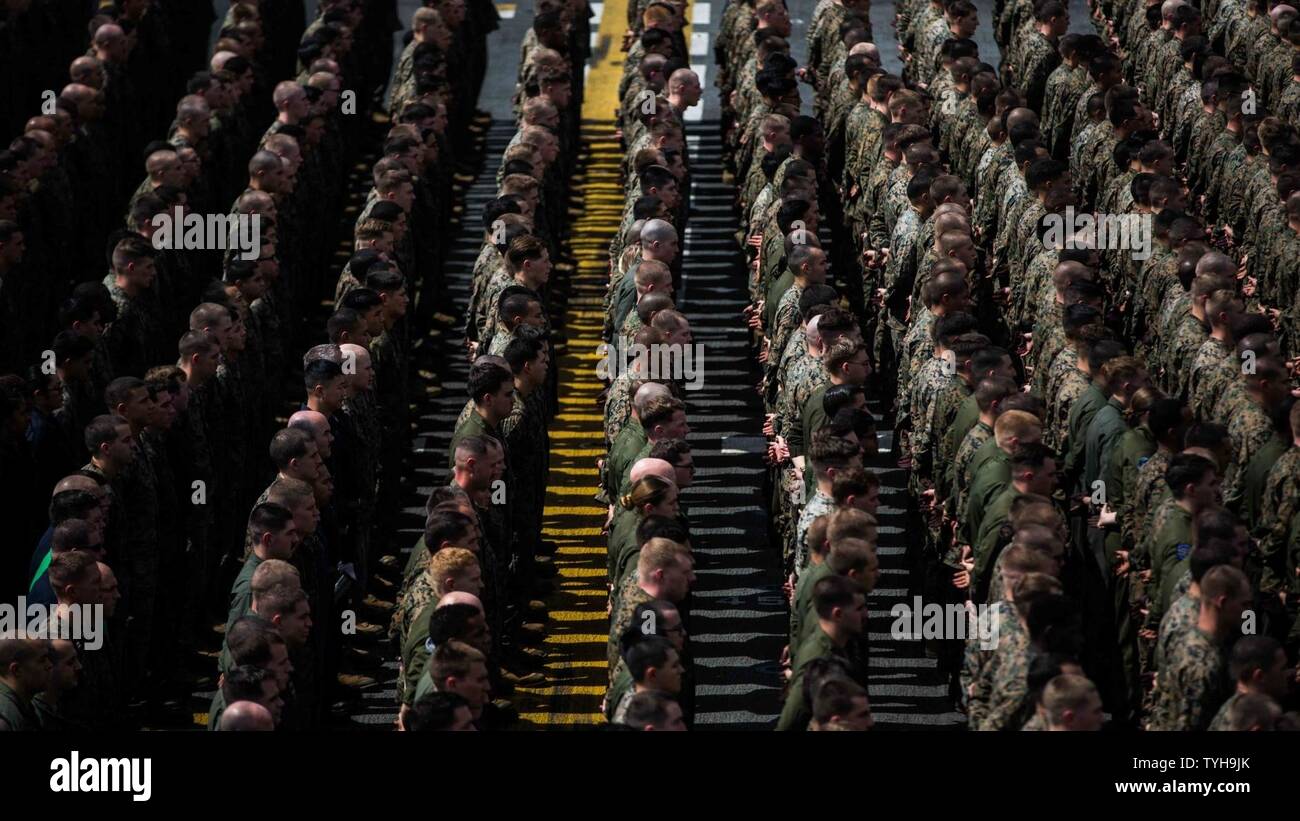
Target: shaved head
76, 482
649, 391
360, 354
461, 597
658, 230
247, 716
1216, 262
316, 421
653, 467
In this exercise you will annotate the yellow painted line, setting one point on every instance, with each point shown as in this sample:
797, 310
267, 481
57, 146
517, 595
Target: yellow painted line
578, 638
577, 615
576, 471
563, 718
573, 531
583, 572
570, 510
601, 91
596, 433
575, 550
597, 203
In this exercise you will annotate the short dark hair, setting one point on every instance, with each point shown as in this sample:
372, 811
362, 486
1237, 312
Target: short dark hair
268, 517
1252, 653
1205, 435
839, 396
244, 683
70, 567
70, 534
661, 527
1032, 455
384, 280
832, 592
835, 694
68, 346
321, 372
485, 378
289, 444
102, 430
250, 640
344, 320
361, 300
1186, 469
649, 652
445, 526
450, 622
120, 389
435, 711
71, 504
526, 346
648, 707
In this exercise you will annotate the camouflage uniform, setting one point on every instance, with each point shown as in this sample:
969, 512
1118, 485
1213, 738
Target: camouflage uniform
961, 477
979, 664
136, 489
630, 597
1149, 490
1192, 686
1212, 366
1038, 59
1180, 620
528, 447
1064, 384
819, 505
1278, 505
1249, 429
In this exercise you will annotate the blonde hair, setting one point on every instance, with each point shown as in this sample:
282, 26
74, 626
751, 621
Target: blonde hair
273, 572
450, 561
1019, 424
660, 554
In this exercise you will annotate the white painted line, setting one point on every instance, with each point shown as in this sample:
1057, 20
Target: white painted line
595, 40
701, 14
744, 444
597, 9
699, 43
